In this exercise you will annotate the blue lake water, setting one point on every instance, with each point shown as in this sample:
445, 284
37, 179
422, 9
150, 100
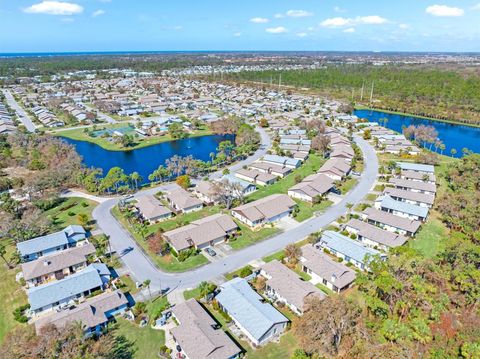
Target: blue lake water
453, 136
146, 160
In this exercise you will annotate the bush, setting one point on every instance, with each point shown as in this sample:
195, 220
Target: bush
245, 272
84, 204
353, 236
46, 204
18, 313
71, 213
184, 255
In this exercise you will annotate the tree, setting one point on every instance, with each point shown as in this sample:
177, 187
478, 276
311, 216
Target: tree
329, 326
453, 152
260, 284
293, 253
367, 134
3, 252
183, 181
83, 219
263, 122
157, 243
176, 130
135, 178
321, 143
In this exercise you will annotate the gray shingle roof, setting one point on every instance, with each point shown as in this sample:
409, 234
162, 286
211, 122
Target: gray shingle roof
248, 307
416, 167
348, 247
411, 209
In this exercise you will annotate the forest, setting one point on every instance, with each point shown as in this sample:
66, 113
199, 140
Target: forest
431, 92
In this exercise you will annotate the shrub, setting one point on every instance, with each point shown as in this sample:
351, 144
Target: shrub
18, 313
71, 213
353, 236
84, 204
245, 272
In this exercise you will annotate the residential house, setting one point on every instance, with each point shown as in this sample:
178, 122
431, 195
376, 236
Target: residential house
34, 248
205, 192
56, 266
265, 210
152, 209
198, 335
401, 209
418, 176
182, 201
416, 198
258, 320
281, 161
416, 167
245, 187
94, 314
335, 168
391, 222
202, 233
415, 186
274, 169
285, 286
374, 236
311, 187
256, 177
65, 292
325, 270
349, 250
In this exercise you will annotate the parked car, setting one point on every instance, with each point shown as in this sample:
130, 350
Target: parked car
211, 252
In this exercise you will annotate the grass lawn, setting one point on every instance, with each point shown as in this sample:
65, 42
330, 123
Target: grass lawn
12, 295
249, 237
147, 341
371, 197
156, 306
167, 262
277, 255
311, 165
324, 289
78, 134
282, 350
305, 276
431, 237
236, 273
346, 186
191, 293
307, 210
130, 285
67, 212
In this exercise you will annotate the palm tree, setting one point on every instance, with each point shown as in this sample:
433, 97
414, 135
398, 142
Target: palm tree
3, 251
83, 219
453, 152
135, 177
146, 283
442, 148
204, 288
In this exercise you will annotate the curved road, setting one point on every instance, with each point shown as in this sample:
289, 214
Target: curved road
142, 268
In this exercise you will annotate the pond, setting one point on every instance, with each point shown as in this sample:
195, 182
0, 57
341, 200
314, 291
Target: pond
453, 136
146, 160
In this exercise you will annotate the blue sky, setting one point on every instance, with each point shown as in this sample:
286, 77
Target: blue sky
136, 25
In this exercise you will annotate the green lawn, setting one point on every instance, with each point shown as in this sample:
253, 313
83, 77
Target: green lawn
311, 165
305, 276
11, 294
431, 237
130, 286
78, 134
324, 289
248, 237
307, 210
236, 273
191, 293
156, 306
346, 186
282, 350
277, 255
167, 262
67, 212
371, 197
147, 341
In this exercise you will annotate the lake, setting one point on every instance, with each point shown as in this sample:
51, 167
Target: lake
146, 160
453, 136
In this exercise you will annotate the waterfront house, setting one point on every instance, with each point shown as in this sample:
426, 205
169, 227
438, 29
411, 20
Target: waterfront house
416, 167
416, 198
37, 247
56, 266
202, 233
182, 201
265, 210
349, 250
374, 236
258, 320
285, 286
418, 176
198, 335
415, 186
391, 222
245, 187
325, 270
401, 209
151, 209
94, 314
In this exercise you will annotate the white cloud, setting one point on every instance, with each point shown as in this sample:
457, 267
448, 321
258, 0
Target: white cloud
348, 22
349, 30
302, 34
298, 13
237, 34
444, 11
54, 8
404, 26
259, 20
476, 7
276, 30
98, 13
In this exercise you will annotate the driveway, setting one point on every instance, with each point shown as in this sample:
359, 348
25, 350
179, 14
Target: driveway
142, 267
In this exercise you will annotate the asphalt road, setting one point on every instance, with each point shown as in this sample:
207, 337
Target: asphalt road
23, 116
142, 268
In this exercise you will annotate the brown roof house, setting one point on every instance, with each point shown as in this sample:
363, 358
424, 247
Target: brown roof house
182, 201
374, 236
152, 209
199, 336
266, 210
202, 233
56, 266
284, 285
326, 270
311, 187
